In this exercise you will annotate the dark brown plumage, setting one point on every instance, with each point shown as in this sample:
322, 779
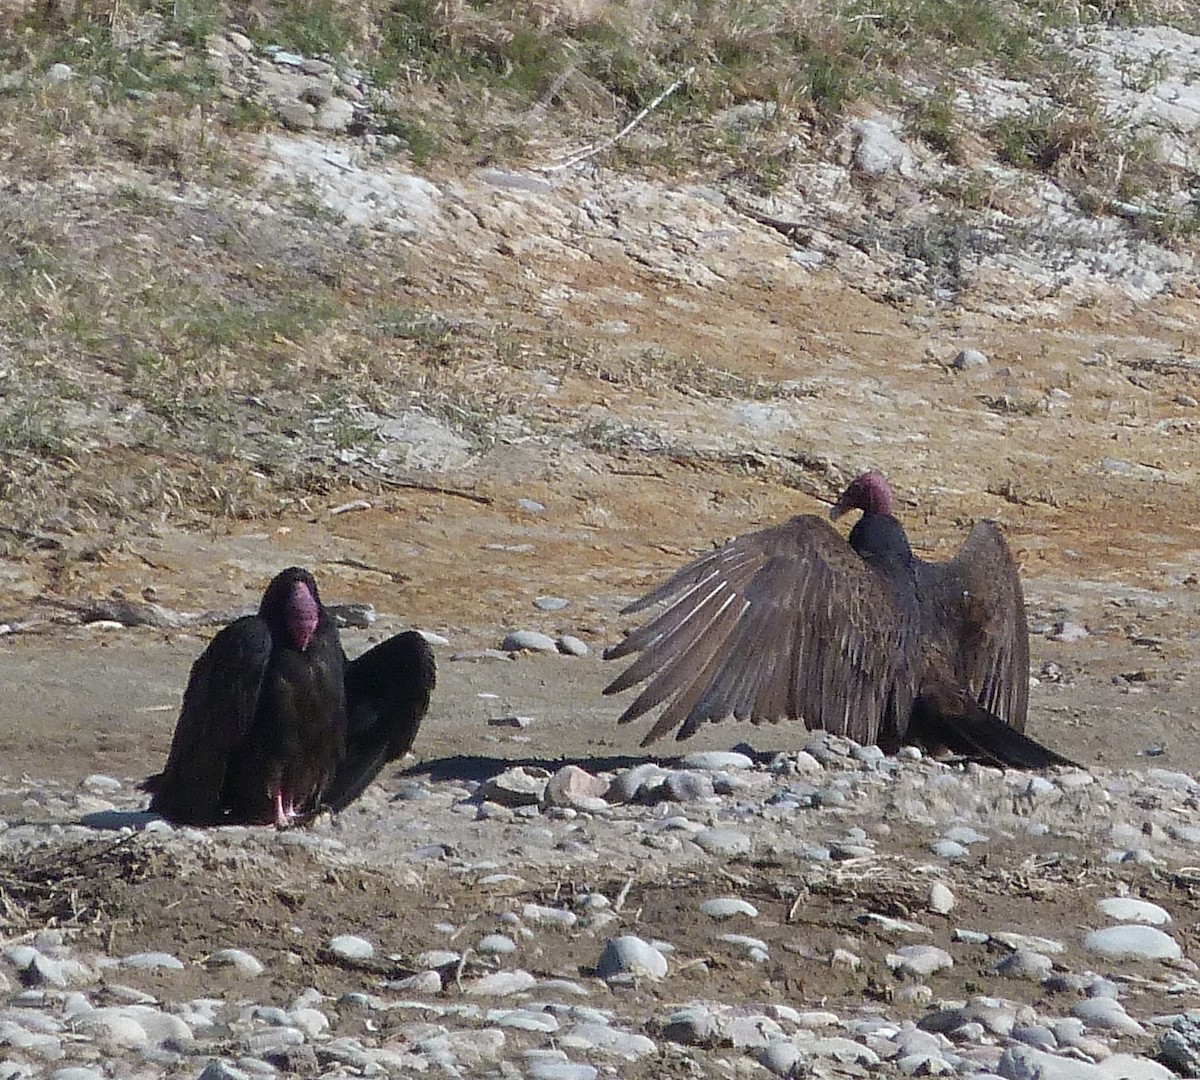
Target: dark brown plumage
276, 724
862, 639
387, 695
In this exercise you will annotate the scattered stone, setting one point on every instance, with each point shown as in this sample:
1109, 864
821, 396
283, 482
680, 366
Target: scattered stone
570, 645
523, 786
550, 603
630, 955
352, 948
528, 641
919, 960
607, 1040
941, 899
1030, 942
1025, 964
1106, 1014
969, 358
501, 984
726, 907
543, 915
716, 761
245, 963
1128, 910
723, 843
496, 945
1133, 942
1069, 631
756, 949
576, 787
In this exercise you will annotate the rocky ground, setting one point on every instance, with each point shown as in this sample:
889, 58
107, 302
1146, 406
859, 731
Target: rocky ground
545, 387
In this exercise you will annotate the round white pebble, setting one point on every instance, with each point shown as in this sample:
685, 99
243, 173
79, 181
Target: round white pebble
1136, 942
351, 947
726, 907
630, 955
1128, 910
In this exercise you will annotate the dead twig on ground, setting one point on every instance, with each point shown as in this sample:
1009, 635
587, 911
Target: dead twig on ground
612, 140
436, 489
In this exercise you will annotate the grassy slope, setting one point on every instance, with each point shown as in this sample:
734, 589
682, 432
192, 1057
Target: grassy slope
178, 358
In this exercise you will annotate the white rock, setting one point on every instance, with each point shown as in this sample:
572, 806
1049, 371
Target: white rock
222, 1070
1106, 1014
519, 786
1130, 1067
780, 1057
312, 1022
161, 1028
969, 358
570, 645
111, 1027
1028, 941
919, 960
351, 947
561, 1070
941, 899
496, 945
607, 1040
1128, 910
528, 641
1133, 942
716, 760
502, 983
630, 955
245, 963
1019, 1062
722, 842
725, 907
544, 915
524, 1020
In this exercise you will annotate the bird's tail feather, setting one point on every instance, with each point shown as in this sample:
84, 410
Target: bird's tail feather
959, 723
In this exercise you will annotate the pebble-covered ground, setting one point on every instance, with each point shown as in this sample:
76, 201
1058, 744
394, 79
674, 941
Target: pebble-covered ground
616, 370
827, 911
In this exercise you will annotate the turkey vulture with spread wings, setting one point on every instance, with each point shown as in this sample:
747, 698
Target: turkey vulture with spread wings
863, 639
277, 724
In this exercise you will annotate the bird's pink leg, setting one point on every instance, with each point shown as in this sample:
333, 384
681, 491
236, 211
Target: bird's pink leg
282, 819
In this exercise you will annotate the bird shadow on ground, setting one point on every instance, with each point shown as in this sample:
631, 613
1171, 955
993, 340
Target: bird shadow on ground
118, 819
482, 767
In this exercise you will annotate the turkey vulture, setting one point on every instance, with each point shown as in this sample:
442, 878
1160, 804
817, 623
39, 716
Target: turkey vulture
862, 639
276, 724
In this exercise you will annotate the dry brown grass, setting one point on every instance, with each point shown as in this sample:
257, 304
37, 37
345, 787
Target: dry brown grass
166, 354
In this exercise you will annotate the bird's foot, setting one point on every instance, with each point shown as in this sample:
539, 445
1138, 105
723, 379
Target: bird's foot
285, 810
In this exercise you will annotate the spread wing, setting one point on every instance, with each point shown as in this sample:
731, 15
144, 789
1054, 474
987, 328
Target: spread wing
387, 695
974, 608
784, 623
219, 706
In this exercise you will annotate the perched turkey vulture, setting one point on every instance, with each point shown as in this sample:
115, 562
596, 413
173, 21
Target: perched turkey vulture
862, 639
276, 724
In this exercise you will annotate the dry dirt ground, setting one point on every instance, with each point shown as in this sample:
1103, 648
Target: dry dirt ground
1096, 490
